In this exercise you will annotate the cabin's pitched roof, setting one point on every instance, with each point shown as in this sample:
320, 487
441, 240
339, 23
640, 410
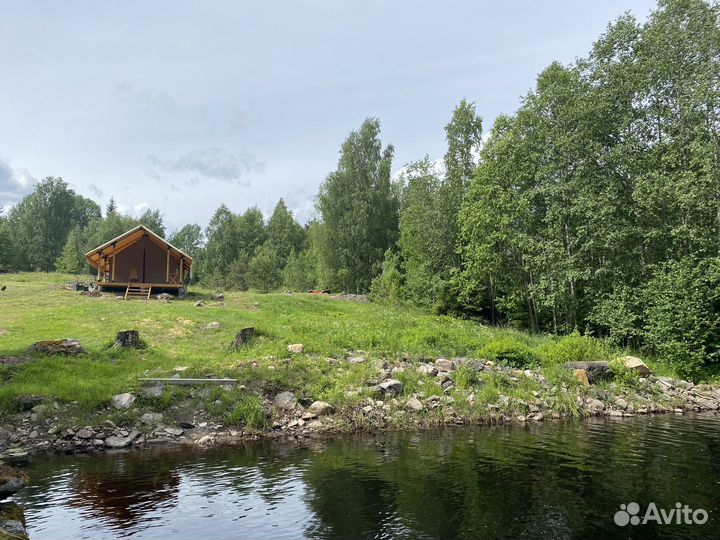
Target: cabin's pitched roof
128, 238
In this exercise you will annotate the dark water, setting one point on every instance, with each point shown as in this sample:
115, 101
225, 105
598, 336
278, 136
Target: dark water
557, 480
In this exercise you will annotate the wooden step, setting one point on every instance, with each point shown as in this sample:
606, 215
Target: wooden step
138, 290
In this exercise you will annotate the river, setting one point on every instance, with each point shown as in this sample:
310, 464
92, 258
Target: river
551, 480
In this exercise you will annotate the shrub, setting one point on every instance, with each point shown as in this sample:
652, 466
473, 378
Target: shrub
510, 352
248, 411
683, 315
573, 348
623, 374
465, 377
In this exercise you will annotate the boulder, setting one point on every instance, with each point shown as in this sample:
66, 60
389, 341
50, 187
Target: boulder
127, 339
428, 369
213, 326
321, 408
296, 348
594, 406
218, 297
595, 371
174, 431
634, 363
84, 433
12, 522
581, 375
153, 392
152, 418
391, 387
165, 297
4, 438
122, 401
57, 347
199, 303
82, 286
357, 360
414, 404
11, 480
286, 401
116, 441
444, 365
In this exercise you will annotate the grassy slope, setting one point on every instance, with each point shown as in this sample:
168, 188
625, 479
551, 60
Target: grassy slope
38, 307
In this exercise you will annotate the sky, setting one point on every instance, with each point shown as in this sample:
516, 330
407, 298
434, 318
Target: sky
184, 106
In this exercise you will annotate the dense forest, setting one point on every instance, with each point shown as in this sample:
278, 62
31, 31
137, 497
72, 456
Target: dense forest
594, 208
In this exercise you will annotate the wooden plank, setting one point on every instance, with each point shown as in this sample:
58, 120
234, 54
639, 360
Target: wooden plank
167, 267
186, 382
113, 267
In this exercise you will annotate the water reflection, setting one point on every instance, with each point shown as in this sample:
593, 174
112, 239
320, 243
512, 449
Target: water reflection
559, 480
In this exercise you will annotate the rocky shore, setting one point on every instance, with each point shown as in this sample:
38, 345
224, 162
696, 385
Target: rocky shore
12, 518
591, 389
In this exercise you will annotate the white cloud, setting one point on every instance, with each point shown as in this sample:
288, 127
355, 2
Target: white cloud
211, 163
14, 183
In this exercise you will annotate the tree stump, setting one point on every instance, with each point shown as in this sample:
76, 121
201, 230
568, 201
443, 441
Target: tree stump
127, 339
244, 336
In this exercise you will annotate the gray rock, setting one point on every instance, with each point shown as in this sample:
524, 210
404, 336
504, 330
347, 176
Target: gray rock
357, 360
391, 387
414, 404
321, 408
213, 326
84, 433
153, 392
444, 365
4, 438
634, 363
123, 401
621, 403
296, 348
11, 480
428, 369
286, 401
596, 371
115, 441
175, 432
595, 406
152, 418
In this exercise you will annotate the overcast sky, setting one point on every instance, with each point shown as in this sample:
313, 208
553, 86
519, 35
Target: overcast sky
183, 106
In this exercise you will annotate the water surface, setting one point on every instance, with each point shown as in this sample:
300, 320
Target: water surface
555, 480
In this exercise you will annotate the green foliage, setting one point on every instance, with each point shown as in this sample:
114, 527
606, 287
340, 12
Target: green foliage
248, 411
388, 285
71, 260
265, 271
624, 375
573, 348
40, 224
359, 208
683, 314
511, 352
465, 377
284, 232
299, 273
189, 239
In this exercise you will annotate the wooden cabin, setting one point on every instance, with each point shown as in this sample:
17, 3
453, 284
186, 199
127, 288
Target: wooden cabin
140, 262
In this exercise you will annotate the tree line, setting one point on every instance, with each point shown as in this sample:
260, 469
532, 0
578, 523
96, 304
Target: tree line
595, 207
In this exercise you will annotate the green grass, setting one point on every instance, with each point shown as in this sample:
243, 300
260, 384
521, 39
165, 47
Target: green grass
37, 307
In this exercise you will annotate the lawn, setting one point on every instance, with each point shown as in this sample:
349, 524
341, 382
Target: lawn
38, 306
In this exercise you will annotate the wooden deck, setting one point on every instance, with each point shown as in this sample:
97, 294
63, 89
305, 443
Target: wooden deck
124, 285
